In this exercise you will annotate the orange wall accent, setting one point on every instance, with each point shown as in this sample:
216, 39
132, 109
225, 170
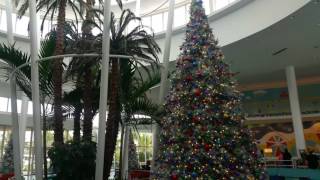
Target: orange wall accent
279, 84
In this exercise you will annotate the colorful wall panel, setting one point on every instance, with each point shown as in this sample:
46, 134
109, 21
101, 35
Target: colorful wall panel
280, 136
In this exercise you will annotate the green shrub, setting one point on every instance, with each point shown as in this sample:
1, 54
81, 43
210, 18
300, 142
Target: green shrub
73, 160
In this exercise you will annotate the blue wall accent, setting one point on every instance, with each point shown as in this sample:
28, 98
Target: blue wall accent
290, 173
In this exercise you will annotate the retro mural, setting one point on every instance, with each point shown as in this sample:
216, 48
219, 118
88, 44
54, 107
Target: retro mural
278, 141
277, 135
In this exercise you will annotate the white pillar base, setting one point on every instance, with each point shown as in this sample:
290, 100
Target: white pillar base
125, 151
23, 123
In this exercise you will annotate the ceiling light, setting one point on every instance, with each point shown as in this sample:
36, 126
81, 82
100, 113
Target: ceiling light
279, 51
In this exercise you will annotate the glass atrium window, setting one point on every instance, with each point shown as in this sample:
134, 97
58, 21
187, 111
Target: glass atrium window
165, 20
206, 5
143, 141
221, 3
157, 23
3, 104
179, 16
22, 26
18, 106
146, 21
3, 20
30, 109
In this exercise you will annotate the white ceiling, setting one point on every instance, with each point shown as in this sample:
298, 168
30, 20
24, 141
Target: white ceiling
299, 33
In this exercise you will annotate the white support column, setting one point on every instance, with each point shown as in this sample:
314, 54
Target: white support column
164, 76
138, 8
35, 90
125, 150
23, 123
14, 109
210, 6
15, 130
295, 109
103, 90
9, 21
213, 5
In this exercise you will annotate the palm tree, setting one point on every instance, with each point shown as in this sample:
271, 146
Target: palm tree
135, 101
73, 98
52, 6
14, 58
136, 43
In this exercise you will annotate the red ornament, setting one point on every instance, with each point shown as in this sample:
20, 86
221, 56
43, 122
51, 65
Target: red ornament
207, 147
189, 133
195, 119
189, 166
204, 128
196, 146
199, 73
197, 92
189, 78
174, 177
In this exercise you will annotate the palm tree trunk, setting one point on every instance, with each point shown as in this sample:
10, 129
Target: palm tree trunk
57, 75
88, 81
114, 118
87, 105
76, 123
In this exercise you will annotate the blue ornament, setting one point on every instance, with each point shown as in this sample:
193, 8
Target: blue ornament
195, 63
194, 175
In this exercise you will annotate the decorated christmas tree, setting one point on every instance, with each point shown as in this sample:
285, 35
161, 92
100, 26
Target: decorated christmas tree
133, 163
7, 160
202, 135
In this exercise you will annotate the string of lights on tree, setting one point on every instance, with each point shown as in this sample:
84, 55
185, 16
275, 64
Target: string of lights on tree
202, 135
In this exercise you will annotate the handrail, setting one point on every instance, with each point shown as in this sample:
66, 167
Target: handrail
80, 55
280, 163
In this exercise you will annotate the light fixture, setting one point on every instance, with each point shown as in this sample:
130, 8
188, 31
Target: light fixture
279, 51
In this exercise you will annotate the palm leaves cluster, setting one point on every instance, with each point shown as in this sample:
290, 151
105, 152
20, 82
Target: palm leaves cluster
129, 81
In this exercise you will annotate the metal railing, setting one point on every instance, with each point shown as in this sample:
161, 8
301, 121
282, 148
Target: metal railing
275, 163
14, 111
